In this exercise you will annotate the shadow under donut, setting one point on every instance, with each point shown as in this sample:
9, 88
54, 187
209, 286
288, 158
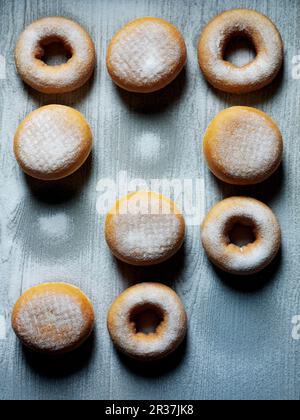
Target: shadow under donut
156, 102
71, 99
252, 99
158, 368
61, 191
267, 191
60, 366
53, 209
252, 283
167, 273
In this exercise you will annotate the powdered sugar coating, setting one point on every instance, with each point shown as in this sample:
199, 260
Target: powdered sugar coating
53, 142
55, 79
147, 234
267, 42
243, 146
146, 55
245, 260
169, 334
51, 320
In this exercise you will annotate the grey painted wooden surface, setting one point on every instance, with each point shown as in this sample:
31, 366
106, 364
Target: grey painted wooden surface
240, 342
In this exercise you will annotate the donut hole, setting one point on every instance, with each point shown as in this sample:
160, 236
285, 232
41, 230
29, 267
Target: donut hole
146, 319
241, 232
54, 51
239, 50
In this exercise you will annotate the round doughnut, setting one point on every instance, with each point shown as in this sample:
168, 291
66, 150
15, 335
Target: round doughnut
146, 55
53, 318
147, 300
243, 146
144, 228
55, 79
267, 42
224, 253
53, 142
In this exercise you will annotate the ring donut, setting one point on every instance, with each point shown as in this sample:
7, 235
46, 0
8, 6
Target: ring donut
53, 318
55, 79
142, 300
266, 39
224, 253
243, 146
146, 55
144, 228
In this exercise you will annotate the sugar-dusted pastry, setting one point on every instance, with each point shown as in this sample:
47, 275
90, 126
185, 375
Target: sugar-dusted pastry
243, 146
266, 40
227, 255
134, 303
53, 318
63, 78
53, 142
144, 228
146, 55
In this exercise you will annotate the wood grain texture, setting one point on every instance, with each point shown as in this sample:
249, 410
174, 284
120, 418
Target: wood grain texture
239, 344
